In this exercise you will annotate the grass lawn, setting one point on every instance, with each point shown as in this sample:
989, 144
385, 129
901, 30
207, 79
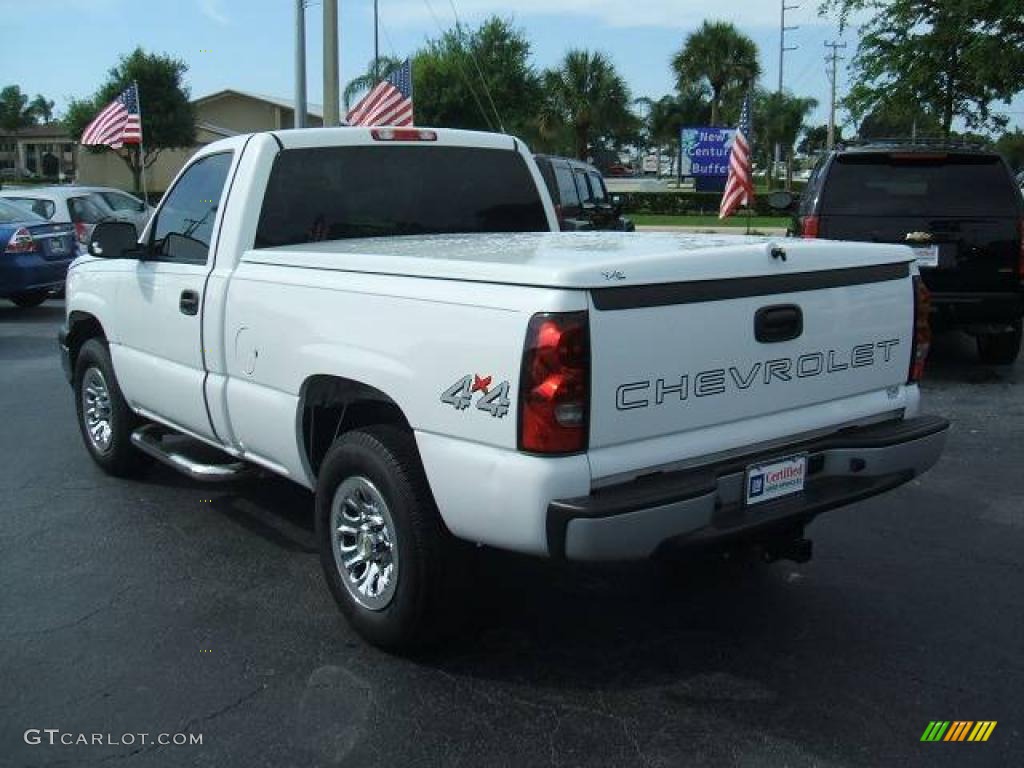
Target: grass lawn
739, 220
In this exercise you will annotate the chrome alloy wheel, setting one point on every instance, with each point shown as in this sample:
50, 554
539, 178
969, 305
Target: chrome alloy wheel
96, 410
364, 543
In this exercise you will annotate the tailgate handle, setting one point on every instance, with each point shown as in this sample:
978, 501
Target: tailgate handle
779, 323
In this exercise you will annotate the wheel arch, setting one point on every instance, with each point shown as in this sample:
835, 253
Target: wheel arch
82, 326
330, 406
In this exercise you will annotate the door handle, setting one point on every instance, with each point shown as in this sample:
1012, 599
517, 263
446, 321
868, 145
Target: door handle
780, 323
189, 303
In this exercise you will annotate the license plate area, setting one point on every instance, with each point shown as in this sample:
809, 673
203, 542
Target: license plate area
775, 479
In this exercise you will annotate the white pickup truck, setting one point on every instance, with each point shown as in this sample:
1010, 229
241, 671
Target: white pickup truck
389, 317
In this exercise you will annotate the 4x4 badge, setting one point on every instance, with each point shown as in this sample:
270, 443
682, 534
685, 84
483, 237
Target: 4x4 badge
494, 399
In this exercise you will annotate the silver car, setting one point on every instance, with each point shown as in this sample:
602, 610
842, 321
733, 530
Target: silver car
65, 205
125, 206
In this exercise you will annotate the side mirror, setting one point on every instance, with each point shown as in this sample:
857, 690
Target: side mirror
781, 201
113, 239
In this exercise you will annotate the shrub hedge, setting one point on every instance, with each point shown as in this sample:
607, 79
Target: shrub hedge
687, 203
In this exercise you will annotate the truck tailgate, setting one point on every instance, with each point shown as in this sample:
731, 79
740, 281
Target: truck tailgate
671, 359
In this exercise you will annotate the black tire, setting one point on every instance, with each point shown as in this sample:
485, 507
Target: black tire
386, 455
30, 298
120, 458
1000, 348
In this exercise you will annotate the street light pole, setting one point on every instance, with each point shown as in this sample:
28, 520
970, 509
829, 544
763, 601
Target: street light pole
300, 63
332, 114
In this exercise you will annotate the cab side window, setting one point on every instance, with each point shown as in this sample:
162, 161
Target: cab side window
184, 224
570, 198
586, 193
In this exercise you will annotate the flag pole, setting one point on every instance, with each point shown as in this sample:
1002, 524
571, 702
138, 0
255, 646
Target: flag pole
142, 145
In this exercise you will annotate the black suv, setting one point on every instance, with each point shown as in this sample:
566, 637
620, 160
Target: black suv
580, 196
961, 211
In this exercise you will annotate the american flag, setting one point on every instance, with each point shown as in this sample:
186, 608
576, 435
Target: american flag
118, 124
390, 103
739, 186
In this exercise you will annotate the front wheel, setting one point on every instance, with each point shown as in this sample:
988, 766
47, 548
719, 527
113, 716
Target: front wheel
1000, 348
104, 418
30, 298
382, 544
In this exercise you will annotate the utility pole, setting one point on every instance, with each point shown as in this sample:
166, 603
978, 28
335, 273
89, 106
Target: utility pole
783, 29
376, 44
300, 63
332, 115
833, 58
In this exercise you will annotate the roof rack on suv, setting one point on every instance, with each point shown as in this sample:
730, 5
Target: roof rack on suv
922, 142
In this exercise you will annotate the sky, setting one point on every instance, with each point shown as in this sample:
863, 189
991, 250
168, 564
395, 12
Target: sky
249, 44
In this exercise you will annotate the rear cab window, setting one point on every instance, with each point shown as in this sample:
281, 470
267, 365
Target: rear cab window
918, 184
599, 193
336, 193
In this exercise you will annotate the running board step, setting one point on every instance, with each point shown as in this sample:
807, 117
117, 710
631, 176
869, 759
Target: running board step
150, 440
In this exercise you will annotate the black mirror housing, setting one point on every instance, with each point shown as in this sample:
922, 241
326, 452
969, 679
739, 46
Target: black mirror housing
113, 239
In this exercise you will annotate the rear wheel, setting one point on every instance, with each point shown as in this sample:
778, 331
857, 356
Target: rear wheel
30, 298
104, 418
1000, 348
383, 547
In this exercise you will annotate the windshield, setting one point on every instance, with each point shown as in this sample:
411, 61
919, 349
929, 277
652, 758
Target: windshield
909, 185
17, 214
334, 193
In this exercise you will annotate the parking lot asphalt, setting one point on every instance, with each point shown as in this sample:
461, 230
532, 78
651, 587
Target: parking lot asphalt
161, 606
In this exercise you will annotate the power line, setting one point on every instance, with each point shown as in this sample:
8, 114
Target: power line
476, 63
462, 70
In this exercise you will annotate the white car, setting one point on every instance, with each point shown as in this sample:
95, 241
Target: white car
64, 205
390, 317
125, 206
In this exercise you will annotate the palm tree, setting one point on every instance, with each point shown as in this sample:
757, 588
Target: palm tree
778, 119
587, 97
375, 72
720, 55
665, 116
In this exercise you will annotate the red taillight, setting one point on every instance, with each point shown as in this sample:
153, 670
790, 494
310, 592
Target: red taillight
809, 226
403, 134
82, 232
21, 242
922, 331
554, 386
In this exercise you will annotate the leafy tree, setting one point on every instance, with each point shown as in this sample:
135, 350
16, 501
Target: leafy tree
815, 139
586, 99
375, 72
892, 120
42, 109
778, 119
952, 58
1011, 145
168, 119
480, 79
719, 55
14, 110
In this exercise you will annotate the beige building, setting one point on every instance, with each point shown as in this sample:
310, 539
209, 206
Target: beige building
37, 151
221, 114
